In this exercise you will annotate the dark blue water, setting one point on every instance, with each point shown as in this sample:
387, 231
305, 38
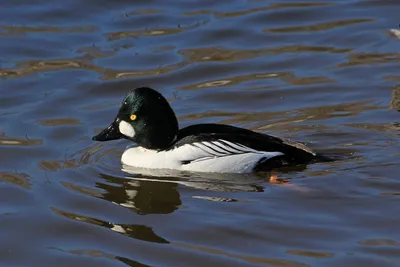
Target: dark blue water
322, 72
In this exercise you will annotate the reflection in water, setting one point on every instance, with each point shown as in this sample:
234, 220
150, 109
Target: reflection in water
285, 121
380, 242
395, 101
217, 199
221, 54
206, 54
147, 11
311, 254
83, 189
289, 78
369, 59
29, 67
19, 179
152, 32
217, 54
272, 6
59, 122
322, 72
318, 26
155, 32
217, 182
13, 141
57, 165
139, 232
102, 254
249, 259
18, 30
143, 197
204, 181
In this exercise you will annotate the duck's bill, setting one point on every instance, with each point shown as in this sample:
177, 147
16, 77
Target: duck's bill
110, 133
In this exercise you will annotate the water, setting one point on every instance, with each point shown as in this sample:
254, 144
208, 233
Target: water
322, 72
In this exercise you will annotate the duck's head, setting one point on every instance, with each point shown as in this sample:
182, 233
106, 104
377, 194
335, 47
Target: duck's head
144, 117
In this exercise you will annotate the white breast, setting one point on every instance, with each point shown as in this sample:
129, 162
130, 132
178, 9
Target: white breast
216, 156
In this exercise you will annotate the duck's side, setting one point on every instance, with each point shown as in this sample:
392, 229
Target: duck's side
221, 148
207, 156
293, 152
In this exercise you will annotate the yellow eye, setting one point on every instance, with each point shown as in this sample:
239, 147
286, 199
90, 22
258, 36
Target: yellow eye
133, 117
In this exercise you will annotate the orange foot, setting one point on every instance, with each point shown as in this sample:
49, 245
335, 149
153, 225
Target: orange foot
273, 179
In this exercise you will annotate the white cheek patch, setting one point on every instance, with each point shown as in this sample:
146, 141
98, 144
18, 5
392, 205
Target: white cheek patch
126, 129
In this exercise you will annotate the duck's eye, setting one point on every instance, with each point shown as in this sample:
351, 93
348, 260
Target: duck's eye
133, 117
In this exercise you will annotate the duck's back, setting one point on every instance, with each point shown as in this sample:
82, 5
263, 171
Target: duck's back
293, 152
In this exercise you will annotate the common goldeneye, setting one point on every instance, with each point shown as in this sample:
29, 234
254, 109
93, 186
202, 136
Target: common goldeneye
146, 118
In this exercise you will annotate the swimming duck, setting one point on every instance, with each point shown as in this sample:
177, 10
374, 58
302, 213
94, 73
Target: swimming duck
146, 118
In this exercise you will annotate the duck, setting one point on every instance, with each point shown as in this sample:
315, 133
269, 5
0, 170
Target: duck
146, 118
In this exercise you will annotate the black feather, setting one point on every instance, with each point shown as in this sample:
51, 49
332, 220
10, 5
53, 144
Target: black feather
294, 152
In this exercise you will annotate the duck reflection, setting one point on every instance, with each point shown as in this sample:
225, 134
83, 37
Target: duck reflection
136, 231
144, 197
158, 191
148, 191
220, 182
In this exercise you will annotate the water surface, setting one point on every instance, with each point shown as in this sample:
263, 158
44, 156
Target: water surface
321, 72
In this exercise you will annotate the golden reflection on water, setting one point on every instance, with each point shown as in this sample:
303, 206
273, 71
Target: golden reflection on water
205, 54
94, 192
113, 205
60, 122
32, 66
13, 141
369, 59
57, 165
308, 48
287, 77
216, 54
152, 32
272, 6
318, 26
379, 242
229, 81
287, 121
304, 114
19, 179
21, 30
395, 101
311, 254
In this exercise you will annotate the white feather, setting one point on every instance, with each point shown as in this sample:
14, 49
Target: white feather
217, 156
126, 129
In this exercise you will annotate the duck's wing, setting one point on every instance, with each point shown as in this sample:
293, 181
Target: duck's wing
221, 139
217, 152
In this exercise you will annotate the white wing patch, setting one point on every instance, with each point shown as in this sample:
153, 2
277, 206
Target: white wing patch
213, 149
220, 156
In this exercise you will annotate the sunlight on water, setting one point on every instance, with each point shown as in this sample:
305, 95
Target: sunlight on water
325, 73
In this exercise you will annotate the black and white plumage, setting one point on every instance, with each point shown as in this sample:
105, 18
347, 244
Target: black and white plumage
146, 118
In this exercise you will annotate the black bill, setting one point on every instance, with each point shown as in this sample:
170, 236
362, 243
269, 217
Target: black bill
110, 133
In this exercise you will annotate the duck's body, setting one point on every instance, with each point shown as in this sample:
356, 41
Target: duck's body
146, 118
190, 158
